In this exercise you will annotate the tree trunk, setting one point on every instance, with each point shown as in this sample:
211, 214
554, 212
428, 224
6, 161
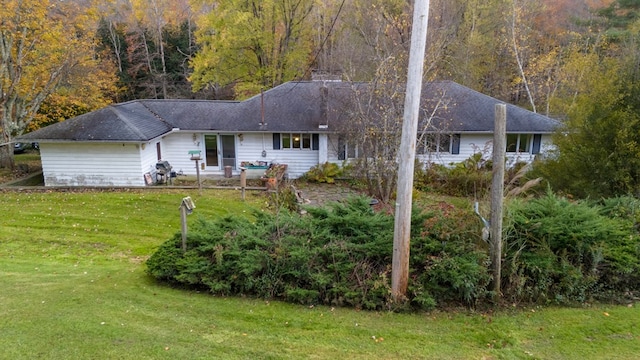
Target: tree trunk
6, 157
6, 150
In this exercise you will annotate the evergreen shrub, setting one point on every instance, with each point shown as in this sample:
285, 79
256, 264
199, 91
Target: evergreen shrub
338, 255
562, 251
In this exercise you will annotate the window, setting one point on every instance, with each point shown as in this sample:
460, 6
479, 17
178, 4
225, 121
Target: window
346, 149
439, 143
286, 141
295, 141
306, 141
519, 143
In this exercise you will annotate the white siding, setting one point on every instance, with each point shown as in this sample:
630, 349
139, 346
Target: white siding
249, 147
117, 164
175, 149
298, 161
323, 148
91, 164
149, 158
470, 144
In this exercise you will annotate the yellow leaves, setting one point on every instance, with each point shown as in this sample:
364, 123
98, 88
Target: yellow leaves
46, 44
253, 44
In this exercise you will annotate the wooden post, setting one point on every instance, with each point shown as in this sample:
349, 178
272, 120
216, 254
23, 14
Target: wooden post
183, 226
186, 207
497, 193
195, 156
198, 178
407, 152
243, 181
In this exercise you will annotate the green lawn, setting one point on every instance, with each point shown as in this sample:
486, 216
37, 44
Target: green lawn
73, 286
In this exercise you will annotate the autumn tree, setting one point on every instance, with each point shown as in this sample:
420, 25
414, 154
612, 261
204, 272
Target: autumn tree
41, 43
150, 43
597, 152
252, 44
89, 86
365, 35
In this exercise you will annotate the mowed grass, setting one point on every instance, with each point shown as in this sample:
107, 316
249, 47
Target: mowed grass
73, 286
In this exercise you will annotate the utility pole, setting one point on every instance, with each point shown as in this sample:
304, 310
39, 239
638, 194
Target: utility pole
407, 152
497, 193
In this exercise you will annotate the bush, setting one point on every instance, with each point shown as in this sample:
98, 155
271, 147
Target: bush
449, 257
469, 178
323, 173
336, 255
563, 251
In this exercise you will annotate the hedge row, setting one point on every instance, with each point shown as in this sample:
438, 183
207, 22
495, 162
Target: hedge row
555, 251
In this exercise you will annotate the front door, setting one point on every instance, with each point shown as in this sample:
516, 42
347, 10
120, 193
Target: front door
220, 149
211, 150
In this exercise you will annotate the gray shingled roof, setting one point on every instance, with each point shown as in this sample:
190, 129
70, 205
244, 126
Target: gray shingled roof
291, 107
462, 109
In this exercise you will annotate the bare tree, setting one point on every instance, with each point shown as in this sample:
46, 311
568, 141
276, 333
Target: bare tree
374, 129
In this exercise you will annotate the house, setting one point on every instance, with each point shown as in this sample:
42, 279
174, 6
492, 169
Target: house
295, 123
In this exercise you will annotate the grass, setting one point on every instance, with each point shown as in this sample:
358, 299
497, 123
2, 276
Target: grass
73, 286
27, 164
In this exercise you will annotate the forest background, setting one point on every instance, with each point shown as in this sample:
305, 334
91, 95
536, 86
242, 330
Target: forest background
575, 60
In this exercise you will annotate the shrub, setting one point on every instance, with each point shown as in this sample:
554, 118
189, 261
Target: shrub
323, 173
471, 177
563, 251
449, 258
336, 255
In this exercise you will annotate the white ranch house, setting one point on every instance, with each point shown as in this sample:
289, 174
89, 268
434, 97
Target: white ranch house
295, 124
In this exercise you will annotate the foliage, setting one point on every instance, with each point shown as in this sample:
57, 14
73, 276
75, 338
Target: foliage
252, 44
449, 262
150, 44
89, 89
599, 156
469, 178
41, 44
285, 197
323, 173
338, 255
562, 251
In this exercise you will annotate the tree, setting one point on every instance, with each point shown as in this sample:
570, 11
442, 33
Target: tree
151, 44
597, 153
40, 43
252, 44
375, 126
366, 34
88, 87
